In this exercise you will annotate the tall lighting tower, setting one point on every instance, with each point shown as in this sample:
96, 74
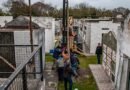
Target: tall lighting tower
65, 22
30, 25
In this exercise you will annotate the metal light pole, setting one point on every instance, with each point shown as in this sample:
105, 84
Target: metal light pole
30, 25
66, 41
65, 21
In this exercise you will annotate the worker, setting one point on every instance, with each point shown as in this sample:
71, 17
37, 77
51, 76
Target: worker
60, 67
68, 73
67, 70
65, 55
74, 62
98, 52
56, 53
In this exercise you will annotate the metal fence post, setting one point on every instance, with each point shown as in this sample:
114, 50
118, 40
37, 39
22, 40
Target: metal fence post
24, 79
41, 64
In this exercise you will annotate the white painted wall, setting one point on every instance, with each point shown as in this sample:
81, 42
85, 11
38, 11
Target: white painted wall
49, 24
49, 43
58, 25
96, 32
88, 34
22, 37
95, 36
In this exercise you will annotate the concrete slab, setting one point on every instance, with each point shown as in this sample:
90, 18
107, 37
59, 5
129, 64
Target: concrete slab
51, 77
102, 79
2, 80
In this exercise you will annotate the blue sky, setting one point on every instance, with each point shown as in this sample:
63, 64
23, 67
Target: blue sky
109, 4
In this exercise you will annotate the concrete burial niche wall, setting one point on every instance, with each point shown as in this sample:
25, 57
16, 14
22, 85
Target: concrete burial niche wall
109, 54
21, 50
123, 54
92, 31
45, 22
99, 28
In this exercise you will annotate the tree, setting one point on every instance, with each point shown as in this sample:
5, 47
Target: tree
82, 6
7, 4
16, 8
42, 9
121, 10
1, 12
19, 8
81, 10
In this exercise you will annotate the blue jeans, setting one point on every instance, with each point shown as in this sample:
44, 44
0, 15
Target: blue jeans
60, 73
75, 70
66, 81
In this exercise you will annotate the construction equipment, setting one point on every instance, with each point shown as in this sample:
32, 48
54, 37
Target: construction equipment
68, 33
72, 35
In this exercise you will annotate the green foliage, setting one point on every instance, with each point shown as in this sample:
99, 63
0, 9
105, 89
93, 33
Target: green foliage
81, 10
18, 9
89, 12
1, 12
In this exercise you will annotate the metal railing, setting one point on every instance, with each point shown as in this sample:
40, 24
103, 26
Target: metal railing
28, 74
11, 56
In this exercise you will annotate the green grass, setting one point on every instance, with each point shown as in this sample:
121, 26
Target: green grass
86, 83
48, 57
85, 61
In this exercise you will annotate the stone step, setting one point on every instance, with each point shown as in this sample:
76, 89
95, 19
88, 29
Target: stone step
101, 78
